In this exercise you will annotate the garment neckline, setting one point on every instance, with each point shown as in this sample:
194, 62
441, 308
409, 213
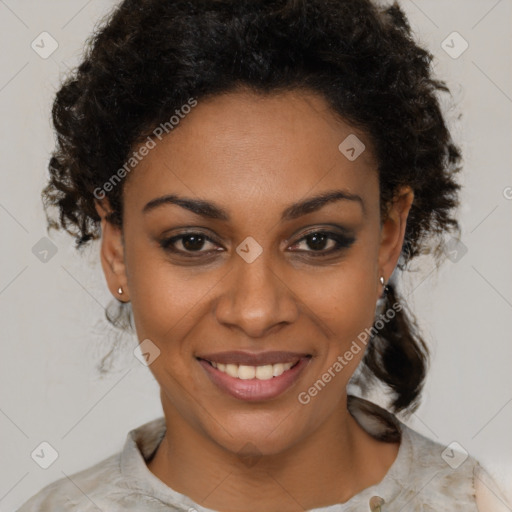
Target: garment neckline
142, 443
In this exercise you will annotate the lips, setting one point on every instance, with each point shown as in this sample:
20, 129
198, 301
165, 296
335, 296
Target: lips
254, 376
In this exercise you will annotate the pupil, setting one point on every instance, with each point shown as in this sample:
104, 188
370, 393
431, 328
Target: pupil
193, 242
317, 241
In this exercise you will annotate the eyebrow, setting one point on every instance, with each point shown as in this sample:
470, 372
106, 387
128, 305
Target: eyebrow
212, 211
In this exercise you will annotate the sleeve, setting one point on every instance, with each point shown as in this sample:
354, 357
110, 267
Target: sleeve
489, 497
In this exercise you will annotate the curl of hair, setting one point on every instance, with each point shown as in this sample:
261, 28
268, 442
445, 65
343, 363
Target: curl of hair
150, 56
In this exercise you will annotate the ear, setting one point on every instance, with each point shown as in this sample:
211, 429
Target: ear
393, 231
112, 253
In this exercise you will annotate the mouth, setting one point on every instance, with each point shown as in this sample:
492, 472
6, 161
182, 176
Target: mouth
254, 377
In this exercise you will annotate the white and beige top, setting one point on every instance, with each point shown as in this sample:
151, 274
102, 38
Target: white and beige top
421, 479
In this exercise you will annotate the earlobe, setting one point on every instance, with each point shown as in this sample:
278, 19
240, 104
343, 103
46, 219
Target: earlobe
393, 230
112, 253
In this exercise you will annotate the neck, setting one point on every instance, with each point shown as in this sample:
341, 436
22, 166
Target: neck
330, 466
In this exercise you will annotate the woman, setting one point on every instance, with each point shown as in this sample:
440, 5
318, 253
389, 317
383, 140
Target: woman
256, 171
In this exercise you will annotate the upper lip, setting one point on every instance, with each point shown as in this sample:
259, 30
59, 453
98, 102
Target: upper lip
253, 359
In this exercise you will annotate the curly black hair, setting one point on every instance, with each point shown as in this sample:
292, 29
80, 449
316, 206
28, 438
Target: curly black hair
149, 57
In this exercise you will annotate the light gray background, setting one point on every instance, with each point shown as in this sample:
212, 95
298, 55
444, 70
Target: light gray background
53, 333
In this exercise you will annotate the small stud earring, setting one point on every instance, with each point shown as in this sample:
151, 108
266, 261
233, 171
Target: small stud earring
120, 291
385, 289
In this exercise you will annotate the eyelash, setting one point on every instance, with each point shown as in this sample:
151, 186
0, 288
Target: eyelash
342, 242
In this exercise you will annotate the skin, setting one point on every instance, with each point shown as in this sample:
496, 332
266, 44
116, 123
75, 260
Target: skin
254, 156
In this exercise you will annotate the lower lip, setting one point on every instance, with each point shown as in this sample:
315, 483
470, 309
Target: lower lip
254, 389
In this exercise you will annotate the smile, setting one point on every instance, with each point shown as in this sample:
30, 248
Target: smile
269, 375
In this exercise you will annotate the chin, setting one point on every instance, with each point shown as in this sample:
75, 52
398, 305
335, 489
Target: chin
257, 434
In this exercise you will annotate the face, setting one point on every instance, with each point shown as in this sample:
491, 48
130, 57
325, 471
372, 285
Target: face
252, 254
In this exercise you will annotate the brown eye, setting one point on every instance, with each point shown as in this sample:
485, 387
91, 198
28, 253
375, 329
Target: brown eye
193, 242
188, 243
324, 243
317, 241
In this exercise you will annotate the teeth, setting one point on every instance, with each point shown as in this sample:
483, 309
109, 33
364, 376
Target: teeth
264, 372
277, 369
244, 372
231, 370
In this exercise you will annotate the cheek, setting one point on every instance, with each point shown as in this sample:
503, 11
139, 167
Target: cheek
164, 297
343, 304
343, 297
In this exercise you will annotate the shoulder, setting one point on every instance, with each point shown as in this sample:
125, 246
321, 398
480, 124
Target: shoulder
84, 490
447, 477
433, 476
118, 483
489, 496
427, 475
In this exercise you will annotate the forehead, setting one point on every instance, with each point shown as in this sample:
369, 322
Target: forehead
242, 146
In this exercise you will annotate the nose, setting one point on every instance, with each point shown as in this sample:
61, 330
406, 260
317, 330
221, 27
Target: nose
256, 299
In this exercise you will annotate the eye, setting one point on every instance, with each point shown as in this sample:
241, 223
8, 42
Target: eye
189, 243
316, 243
324, 243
